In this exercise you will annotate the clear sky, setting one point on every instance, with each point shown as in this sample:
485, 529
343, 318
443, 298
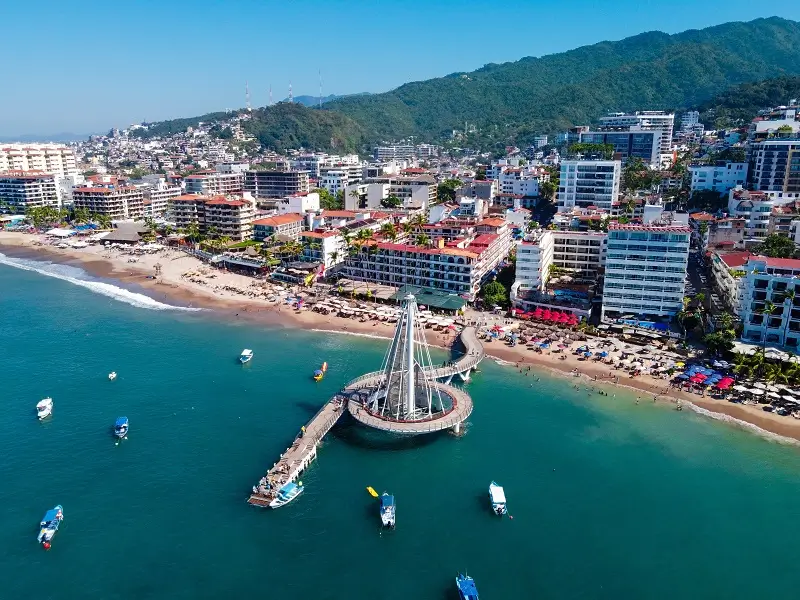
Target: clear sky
85, 66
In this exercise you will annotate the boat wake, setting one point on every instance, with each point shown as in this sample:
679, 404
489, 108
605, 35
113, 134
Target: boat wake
353, 333
77, 277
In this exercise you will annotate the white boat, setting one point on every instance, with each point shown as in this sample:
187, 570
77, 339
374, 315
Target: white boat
246, 356
498, 499
112, 376
388, 510
49, 525
44, 408
286, 494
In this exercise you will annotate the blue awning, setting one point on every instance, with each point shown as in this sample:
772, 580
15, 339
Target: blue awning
121, 421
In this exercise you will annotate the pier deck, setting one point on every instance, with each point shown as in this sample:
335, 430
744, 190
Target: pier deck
300, 454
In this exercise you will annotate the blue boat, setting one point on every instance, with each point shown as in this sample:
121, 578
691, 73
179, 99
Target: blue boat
121, 427
466, 587
387, 510
49, 525
286, 494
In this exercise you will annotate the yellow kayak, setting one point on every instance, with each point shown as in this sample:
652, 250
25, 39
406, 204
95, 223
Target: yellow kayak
372, 492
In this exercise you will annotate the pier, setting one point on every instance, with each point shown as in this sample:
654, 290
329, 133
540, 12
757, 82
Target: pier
355, 398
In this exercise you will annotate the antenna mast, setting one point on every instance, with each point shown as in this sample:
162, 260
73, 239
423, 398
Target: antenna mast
270, 94
247, 96
320, 88
291, 98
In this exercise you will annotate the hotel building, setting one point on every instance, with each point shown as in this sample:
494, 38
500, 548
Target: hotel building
771, 279
117, 202
214, 183
459, 266
645, 270
232, 218
276, 184
289, 225
28, 189
586, 183
56, 159
775, 166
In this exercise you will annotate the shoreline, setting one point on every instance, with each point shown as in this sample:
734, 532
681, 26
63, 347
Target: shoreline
174, 287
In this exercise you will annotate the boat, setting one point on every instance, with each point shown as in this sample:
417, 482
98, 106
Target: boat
466, 587
44, 408
286, 494
121, 427
246, 356
498, 498
387, 510
320, 373
112, 376
49, 525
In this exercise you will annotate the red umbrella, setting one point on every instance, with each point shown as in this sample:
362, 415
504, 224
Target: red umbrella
546, 314
537, 314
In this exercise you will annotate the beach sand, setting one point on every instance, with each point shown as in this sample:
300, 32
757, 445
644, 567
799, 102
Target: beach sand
188, 281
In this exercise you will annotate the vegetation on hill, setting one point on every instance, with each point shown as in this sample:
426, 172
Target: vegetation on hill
513, 101
166, 128
284, 125
738, 105
502, 104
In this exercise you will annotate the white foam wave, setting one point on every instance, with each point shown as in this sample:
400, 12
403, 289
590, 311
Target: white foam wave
742, 424
75, 276
353, 333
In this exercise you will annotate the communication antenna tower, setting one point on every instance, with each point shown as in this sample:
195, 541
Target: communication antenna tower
247, 96
291, 98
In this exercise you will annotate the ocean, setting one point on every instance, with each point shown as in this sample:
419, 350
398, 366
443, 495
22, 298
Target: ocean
609, 499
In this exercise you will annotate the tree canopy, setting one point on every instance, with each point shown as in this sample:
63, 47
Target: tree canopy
495, 293
776, 246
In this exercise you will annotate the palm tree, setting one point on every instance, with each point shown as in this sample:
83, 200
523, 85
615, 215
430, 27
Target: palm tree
389, 231
192, 231
788, 298
423, 240
225, 241
356, 196
364, 235
265, 252
104, 221
768, 309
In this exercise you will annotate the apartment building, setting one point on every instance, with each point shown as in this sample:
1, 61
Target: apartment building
755, 209
396, 152
585, 183
727, 278
782, 217
217, 216
459, 266
231, 218
645, 120
629, 144
28, 189
289, 225
721, 177
214, 183
158, 196
276, 184
56, 159
770, 280
645, 272
327, 247
335, 180
580, 253
710, 231
117, 202
775, 166
417, 192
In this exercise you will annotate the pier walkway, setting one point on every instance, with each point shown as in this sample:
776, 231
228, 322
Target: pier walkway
300, 454
303, 450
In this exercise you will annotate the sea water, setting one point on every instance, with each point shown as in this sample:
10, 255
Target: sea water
609, 499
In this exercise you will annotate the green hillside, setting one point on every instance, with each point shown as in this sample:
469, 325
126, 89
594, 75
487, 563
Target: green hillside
511, 102
738, 105
648, 71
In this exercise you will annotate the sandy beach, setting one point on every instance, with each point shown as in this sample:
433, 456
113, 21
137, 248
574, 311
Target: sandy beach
185, 280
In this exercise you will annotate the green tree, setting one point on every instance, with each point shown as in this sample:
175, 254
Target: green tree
391, 202
328, 201
776, 246
446, 191
495, 293
389, 231
605, 151
547, 190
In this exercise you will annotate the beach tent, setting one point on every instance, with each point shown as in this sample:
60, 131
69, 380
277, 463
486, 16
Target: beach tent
61, 233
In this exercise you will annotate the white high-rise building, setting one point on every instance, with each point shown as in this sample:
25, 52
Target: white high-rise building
586, 183
56, 159
645, 120
719, 178
645, 271
21, 190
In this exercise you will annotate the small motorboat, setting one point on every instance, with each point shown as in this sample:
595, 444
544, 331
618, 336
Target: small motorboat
466, 587
112, 376
49, 525
246, 356
121, 427
44, 408
286, 494
320, 373
497, 496
387, 510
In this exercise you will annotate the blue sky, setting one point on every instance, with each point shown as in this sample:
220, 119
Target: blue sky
86, 66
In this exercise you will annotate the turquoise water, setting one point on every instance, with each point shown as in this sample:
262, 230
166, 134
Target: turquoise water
610, 499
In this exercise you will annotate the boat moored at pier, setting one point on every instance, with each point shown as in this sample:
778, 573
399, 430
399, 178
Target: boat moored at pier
286, 494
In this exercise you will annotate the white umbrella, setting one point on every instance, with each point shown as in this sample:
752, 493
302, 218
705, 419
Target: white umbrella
772, 388
773, 395
759, 385
791, 399
757, 392
740, 388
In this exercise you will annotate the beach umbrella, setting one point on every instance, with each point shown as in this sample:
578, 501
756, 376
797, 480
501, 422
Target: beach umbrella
682, 376
757, 392
773, 394
772, 388
759, 385
587, 354
544, 345
603, 354
791, 399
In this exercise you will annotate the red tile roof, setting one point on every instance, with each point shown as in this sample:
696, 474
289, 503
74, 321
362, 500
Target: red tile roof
279, 220
735, 259
784, 263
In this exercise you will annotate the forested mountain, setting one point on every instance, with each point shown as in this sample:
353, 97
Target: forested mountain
511, 102
738, 105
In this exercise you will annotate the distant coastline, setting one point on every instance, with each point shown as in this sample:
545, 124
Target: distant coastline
176, 290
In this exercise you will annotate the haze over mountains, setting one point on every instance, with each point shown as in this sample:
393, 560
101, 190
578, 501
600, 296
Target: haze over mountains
512, 102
